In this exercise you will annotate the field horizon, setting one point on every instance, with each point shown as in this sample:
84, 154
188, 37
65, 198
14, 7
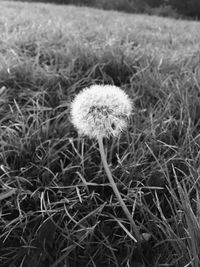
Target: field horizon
57, 208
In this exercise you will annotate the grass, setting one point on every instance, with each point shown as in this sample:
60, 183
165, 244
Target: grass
57, 208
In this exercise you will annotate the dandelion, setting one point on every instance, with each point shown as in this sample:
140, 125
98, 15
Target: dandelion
99, 112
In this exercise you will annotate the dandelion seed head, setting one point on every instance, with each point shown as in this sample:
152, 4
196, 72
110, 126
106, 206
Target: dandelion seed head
101, 111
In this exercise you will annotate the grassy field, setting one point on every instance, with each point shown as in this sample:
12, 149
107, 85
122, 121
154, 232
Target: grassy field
57, 208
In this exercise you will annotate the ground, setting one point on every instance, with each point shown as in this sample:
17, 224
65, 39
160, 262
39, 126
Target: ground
57, 208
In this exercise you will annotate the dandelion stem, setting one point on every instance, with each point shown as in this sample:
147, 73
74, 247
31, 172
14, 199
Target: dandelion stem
116, 191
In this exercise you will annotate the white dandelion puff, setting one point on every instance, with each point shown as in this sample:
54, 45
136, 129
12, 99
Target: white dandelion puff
101, 111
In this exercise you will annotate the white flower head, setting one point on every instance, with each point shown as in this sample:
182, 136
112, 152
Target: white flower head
101, 111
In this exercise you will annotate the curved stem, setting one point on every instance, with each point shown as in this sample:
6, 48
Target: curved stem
116, 191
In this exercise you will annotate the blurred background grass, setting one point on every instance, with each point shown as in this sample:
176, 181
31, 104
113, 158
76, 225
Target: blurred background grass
166, 8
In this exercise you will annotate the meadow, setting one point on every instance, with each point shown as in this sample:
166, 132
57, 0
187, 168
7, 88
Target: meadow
56, 206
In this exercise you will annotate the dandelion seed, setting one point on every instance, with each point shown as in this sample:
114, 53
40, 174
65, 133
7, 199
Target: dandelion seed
101, 111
